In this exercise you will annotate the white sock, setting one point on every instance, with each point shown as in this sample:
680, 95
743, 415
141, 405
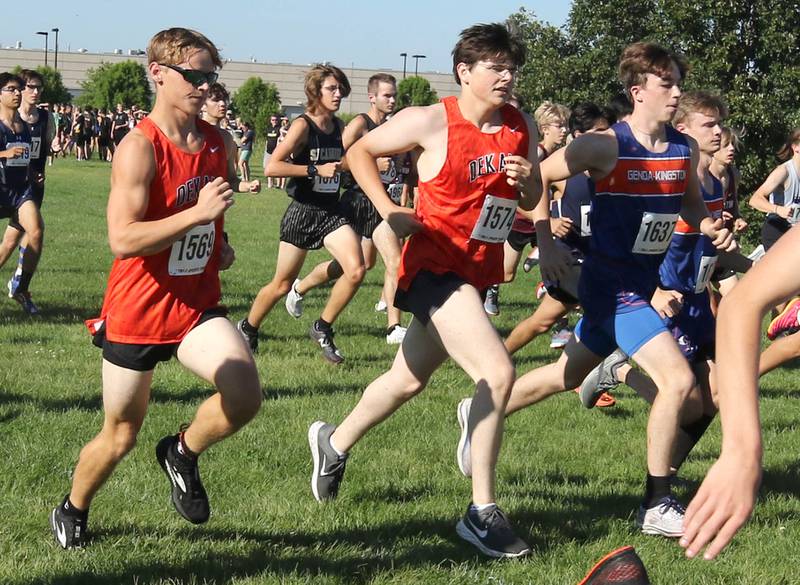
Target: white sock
339, 453
481, 507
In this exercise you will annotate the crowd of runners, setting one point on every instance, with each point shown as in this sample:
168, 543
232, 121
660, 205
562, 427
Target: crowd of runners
631, 211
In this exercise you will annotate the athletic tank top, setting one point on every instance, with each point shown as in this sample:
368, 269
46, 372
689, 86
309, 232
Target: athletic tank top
387, 177
692, 257
789, 196
159, 298
576, 204
523, 223
634, 212
467, 209
39, 145
14, 171
320, 148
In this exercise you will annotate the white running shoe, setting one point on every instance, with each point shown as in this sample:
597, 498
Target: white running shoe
463, 453
560, 338
380, 306
397, 335
294, 301
665, 518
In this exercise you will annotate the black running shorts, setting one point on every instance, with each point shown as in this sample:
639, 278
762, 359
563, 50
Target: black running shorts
427, 292
774, 227
361, 213
306, 225
518, 240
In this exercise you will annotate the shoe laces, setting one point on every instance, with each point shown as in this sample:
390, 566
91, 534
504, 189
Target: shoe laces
673, 506
496, 520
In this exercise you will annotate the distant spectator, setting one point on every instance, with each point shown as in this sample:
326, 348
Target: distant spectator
119, 128
248, 140
273, 134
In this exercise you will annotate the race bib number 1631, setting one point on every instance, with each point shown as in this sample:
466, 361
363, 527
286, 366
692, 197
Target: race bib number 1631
494, 223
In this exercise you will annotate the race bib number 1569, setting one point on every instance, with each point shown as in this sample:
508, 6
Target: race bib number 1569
190, 254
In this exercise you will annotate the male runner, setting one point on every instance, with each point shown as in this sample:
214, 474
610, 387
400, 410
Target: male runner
476, 162
375, 233
645, 175
17, 197
42, 132
169, 192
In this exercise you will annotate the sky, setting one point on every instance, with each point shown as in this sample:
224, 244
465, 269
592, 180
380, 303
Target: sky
348, 33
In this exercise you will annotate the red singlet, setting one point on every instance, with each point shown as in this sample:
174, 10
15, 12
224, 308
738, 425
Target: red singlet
158, 299
468, 208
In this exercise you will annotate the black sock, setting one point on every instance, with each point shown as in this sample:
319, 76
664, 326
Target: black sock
247, 328
24, 281
183, 450
70, 510
391, 328
322, 325
693, 433
656, 488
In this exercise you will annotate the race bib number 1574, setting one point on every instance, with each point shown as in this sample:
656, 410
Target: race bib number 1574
494, 223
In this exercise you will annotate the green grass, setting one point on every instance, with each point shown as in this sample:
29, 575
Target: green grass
569, 478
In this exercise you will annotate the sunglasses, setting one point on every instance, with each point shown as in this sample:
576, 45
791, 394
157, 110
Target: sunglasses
194, 76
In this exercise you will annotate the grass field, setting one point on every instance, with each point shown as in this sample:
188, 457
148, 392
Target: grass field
569, 478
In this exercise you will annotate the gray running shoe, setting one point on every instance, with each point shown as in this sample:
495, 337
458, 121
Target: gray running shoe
324, 337
294, 301
665, 518
602, 379
491, 533
463, 452
328, 465
492, 303
250, 338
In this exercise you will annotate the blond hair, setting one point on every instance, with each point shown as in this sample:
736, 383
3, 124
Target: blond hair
171, 46
699, 102
550, 113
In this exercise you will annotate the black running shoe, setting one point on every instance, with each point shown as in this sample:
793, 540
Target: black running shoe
328, 465
250, 338
491, 533
188, 494
69, 526
620, 567
324, 337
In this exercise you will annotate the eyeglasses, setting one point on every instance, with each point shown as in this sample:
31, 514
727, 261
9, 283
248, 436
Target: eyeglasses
333, 88
33, 87
11, 90
194, 76
500, 69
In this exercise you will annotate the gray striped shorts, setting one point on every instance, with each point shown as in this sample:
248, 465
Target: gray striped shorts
305, 225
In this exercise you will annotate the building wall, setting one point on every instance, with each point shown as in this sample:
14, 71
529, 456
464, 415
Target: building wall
287, 77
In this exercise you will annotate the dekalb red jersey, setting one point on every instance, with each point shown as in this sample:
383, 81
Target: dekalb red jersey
158, 299
467, 210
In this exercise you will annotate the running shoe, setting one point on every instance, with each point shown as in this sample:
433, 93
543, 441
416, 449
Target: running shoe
25, 301
294, 301
560, 338
250, 338
491, 533
602, 379
188, 494
324, 337
463, 452
328, 465
665, 518
13, 283
531, 260
69, 526
541, 290
786, 322
380, 306
620, 567
492, 303
396, 335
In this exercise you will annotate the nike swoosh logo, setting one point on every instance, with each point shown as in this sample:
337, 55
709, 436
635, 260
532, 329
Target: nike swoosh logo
476, 530
514, 129
61, 532
176, 478
214, 149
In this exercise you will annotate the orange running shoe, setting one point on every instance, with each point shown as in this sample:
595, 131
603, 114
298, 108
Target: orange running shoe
620, 567
786, 322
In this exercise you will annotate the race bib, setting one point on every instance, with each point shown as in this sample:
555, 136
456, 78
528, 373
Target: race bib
395, 191
326, 184
190, 254
495, 221
655, 233
21, 161
794, 216
704, 272
36, 147
586, 229
389, 174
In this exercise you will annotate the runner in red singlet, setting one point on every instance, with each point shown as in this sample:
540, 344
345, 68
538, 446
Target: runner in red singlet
169, 191
476, 162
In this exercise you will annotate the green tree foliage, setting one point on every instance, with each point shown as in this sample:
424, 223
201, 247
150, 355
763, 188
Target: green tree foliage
116, 83
54, 90
415, 91
745, 50
256, 101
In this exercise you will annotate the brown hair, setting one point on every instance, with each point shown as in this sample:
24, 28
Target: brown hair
217, 91
487, 41
639, 59
785, 153
171, 46
378, 78
28, 74
316, 77
699, 102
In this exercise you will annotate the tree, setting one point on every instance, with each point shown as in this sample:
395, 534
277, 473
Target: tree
116, 83
54, 90
256, 101
415, 91
743, 50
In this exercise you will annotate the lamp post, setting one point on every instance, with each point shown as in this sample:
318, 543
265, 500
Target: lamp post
46, 34
55, 30
405, 57
416, 62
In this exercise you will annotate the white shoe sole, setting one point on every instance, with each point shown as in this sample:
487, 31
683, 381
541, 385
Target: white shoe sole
466, 534
462, 412
313, 433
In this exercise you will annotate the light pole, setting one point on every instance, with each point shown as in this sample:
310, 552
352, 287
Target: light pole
55, 30
416, 62
46, 34
405, 57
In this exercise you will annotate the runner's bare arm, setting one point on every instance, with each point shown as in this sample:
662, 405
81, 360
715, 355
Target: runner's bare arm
524, 173
726, 497
760, 198
131, 172
353, 131
231, 151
